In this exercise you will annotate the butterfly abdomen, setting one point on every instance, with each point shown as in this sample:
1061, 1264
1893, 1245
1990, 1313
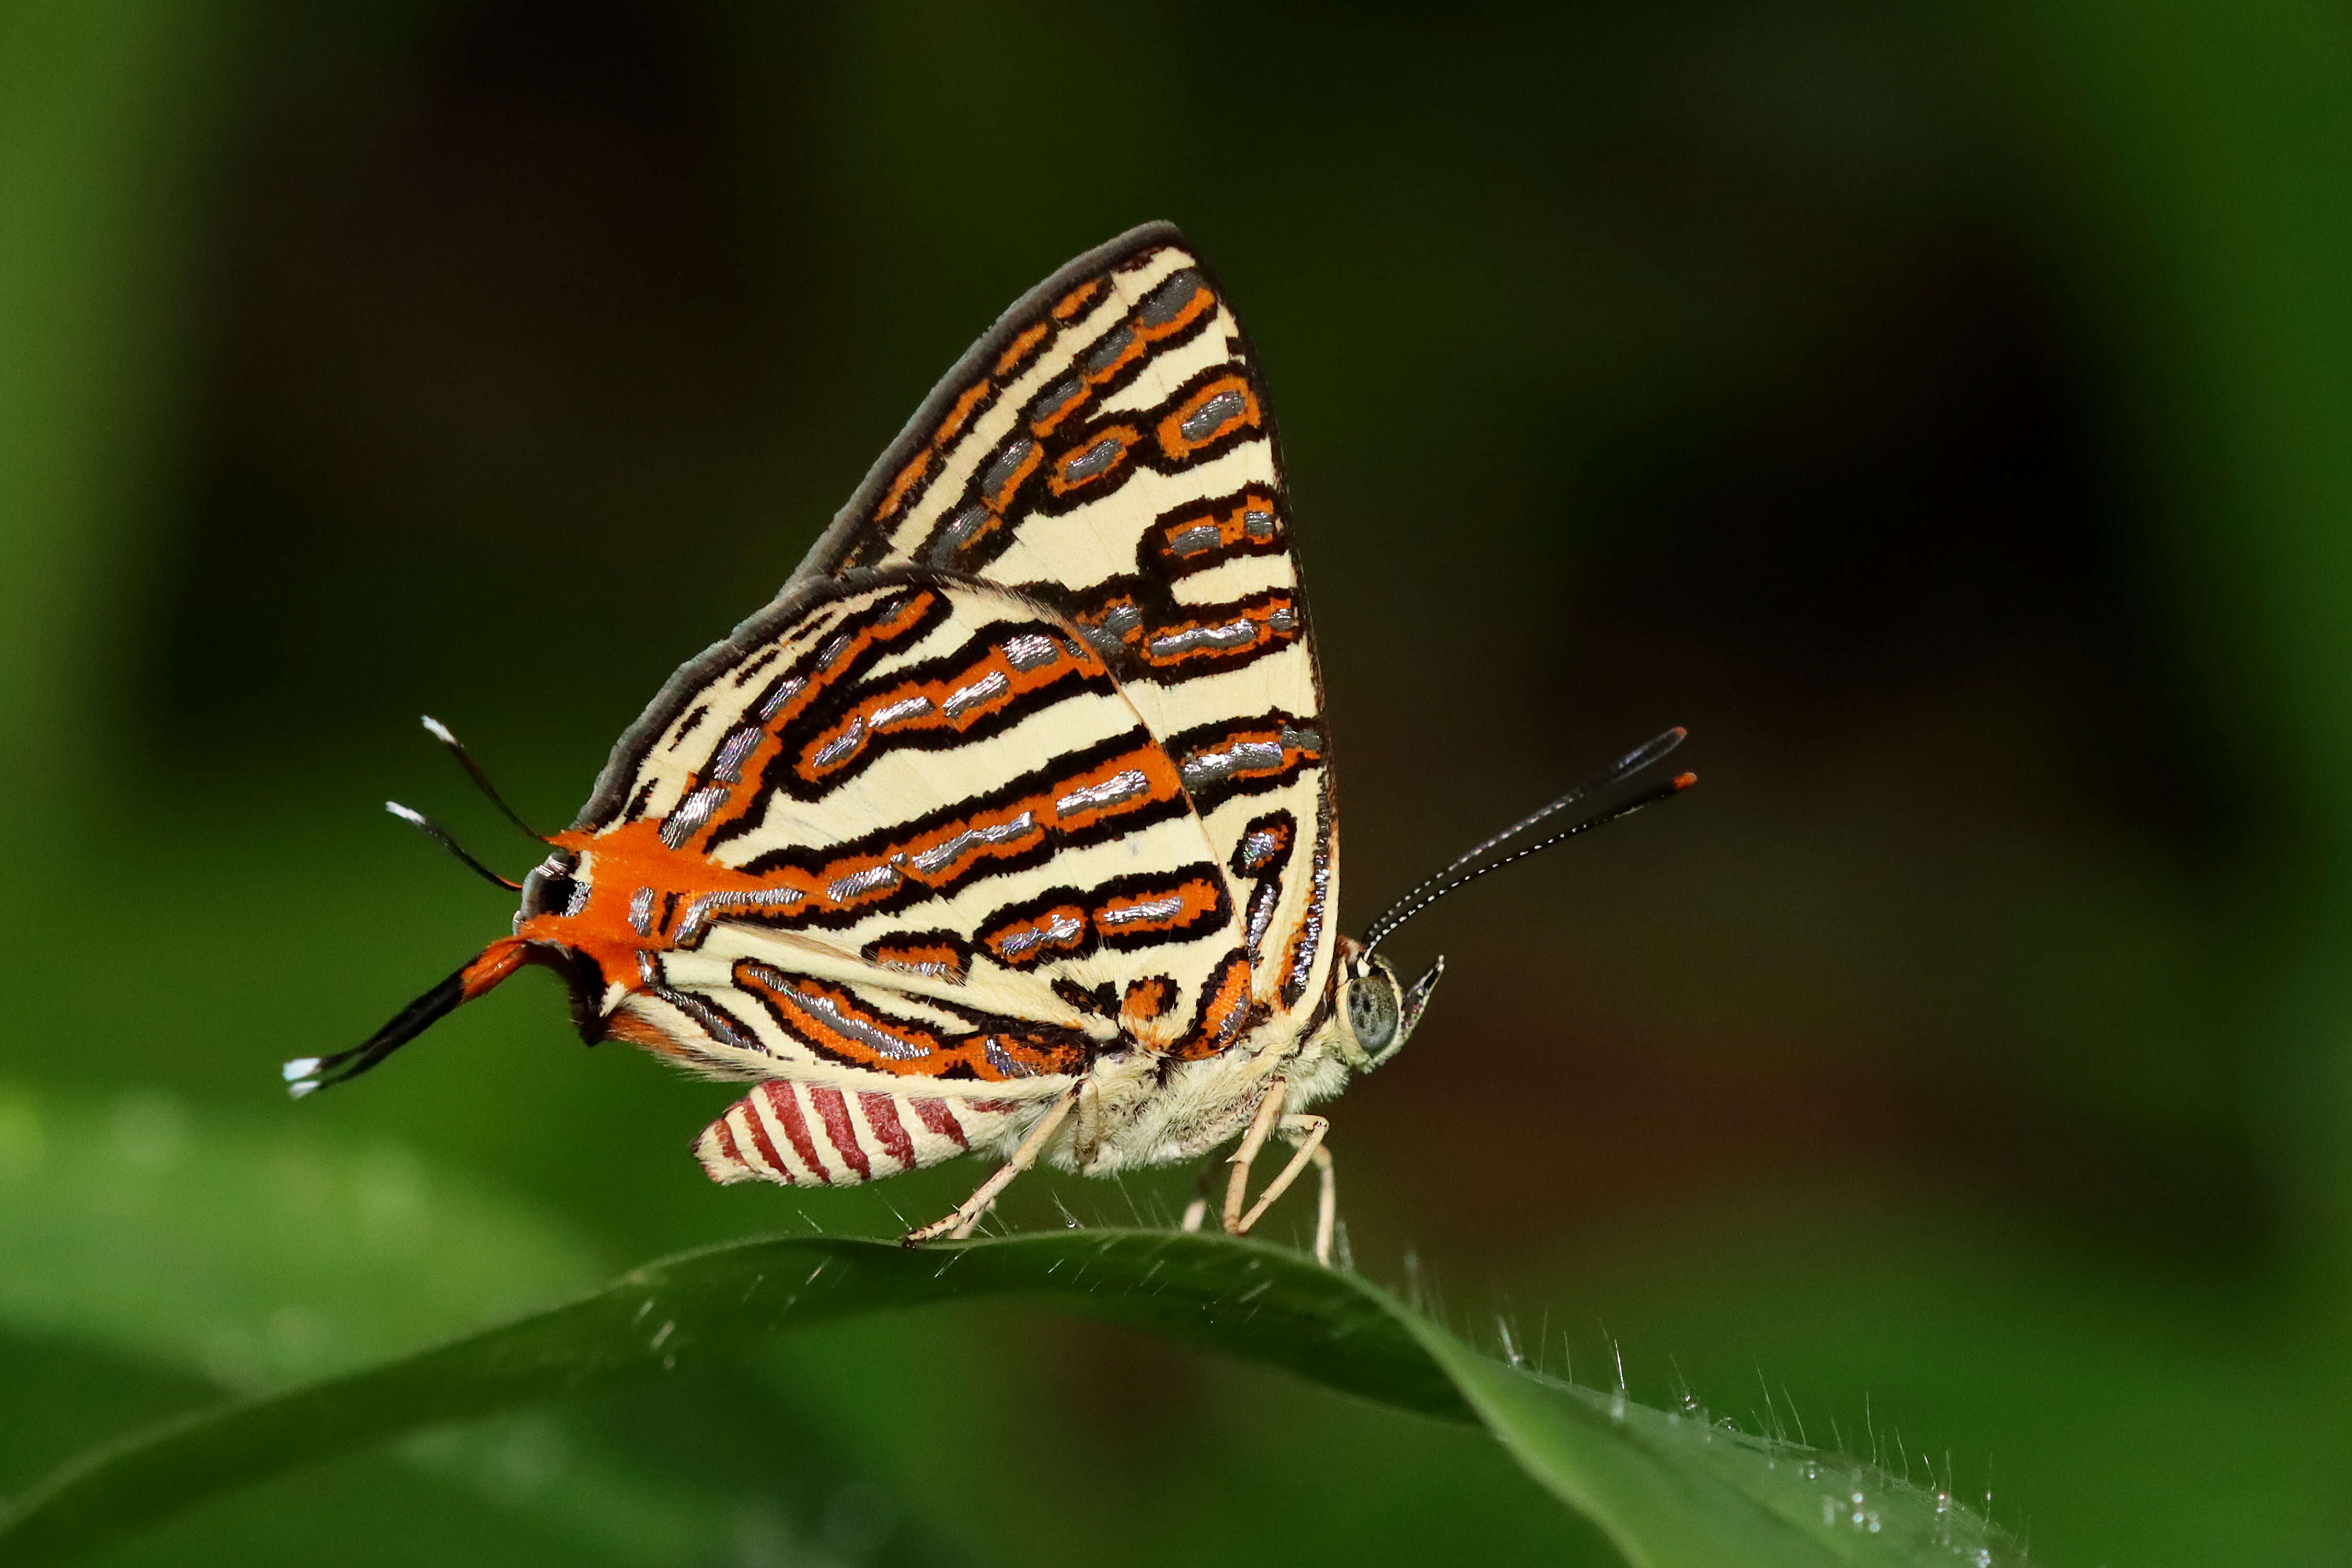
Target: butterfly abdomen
800, 1134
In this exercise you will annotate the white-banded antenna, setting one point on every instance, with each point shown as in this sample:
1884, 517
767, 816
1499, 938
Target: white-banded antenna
1440, 883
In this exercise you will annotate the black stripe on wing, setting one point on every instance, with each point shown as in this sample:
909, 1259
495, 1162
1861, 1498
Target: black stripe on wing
1245, 755
998, 678
1104, 791
899, 477
1216, 410
1124, 914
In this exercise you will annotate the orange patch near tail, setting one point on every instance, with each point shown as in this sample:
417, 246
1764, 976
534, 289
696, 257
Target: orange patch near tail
493, 964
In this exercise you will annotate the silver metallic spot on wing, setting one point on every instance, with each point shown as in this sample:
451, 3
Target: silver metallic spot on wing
784, 692
728, 767
988, 686
857, 884
1162, 306
1205, 420
1112, 791
1093, 461
959, 532
1105, 355
709, 906
1148, 909
1204, 768
1003, 1062
1058, 929
835, 1018
841, 745
1029, 650
898, 712
1233, 634
1008, 463
692, 813
940, 856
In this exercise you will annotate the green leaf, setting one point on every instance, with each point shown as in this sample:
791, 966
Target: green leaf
1670, 1489
251, 1254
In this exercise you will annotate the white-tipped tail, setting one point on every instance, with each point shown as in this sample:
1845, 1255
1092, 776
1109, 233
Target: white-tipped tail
409, 814
437, 729
303, 1087
300, 1067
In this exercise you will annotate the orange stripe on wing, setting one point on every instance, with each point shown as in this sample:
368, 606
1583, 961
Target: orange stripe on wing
908, 617
839, 1026
1070, 304
908, 477
1225, 1011
1147, 999
1021, 347
952, 425
1195, 541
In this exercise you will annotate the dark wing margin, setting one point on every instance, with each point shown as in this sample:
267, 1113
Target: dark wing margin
843, 536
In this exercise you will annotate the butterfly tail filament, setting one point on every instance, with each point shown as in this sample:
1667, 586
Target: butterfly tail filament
307, 1075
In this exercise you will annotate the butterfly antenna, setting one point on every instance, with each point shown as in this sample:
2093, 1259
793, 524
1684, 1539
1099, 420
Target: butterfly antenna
440, 732
1633, 762
1435, 888
440, 834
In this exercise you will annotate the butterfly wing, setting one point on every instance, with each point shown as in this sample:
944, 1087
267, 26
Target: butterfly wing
1026, 757
1108, 450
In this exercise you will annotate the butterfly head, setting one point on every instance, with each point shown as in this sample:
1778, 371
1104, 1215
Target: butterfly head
1377, 1011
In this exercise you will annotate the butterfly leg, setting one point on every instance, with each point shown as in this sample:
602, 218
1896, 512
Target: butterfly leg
1306, 1132
1327, 1197
959, 1223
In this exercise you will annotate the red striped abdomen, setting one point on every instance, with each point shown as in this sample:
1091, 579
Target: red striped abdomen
804, 1134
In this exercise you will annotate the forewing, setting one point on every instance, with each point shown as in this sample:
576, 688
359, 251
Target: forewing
1107, 449
937, 841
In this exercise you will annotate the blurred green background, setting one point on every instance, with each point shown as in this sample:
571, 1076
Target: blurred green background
1946, 412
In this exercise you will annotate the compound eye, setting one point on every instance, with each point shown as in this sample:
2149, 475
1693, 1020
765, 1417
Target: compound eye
1374, 1007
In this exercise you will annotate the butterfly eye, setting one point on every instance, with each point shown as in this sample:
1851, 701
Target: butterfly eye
1373, 1010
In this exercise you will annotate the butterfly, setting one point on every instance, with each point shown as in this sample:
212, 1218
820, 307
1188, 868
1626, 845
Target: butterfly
1009, 826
